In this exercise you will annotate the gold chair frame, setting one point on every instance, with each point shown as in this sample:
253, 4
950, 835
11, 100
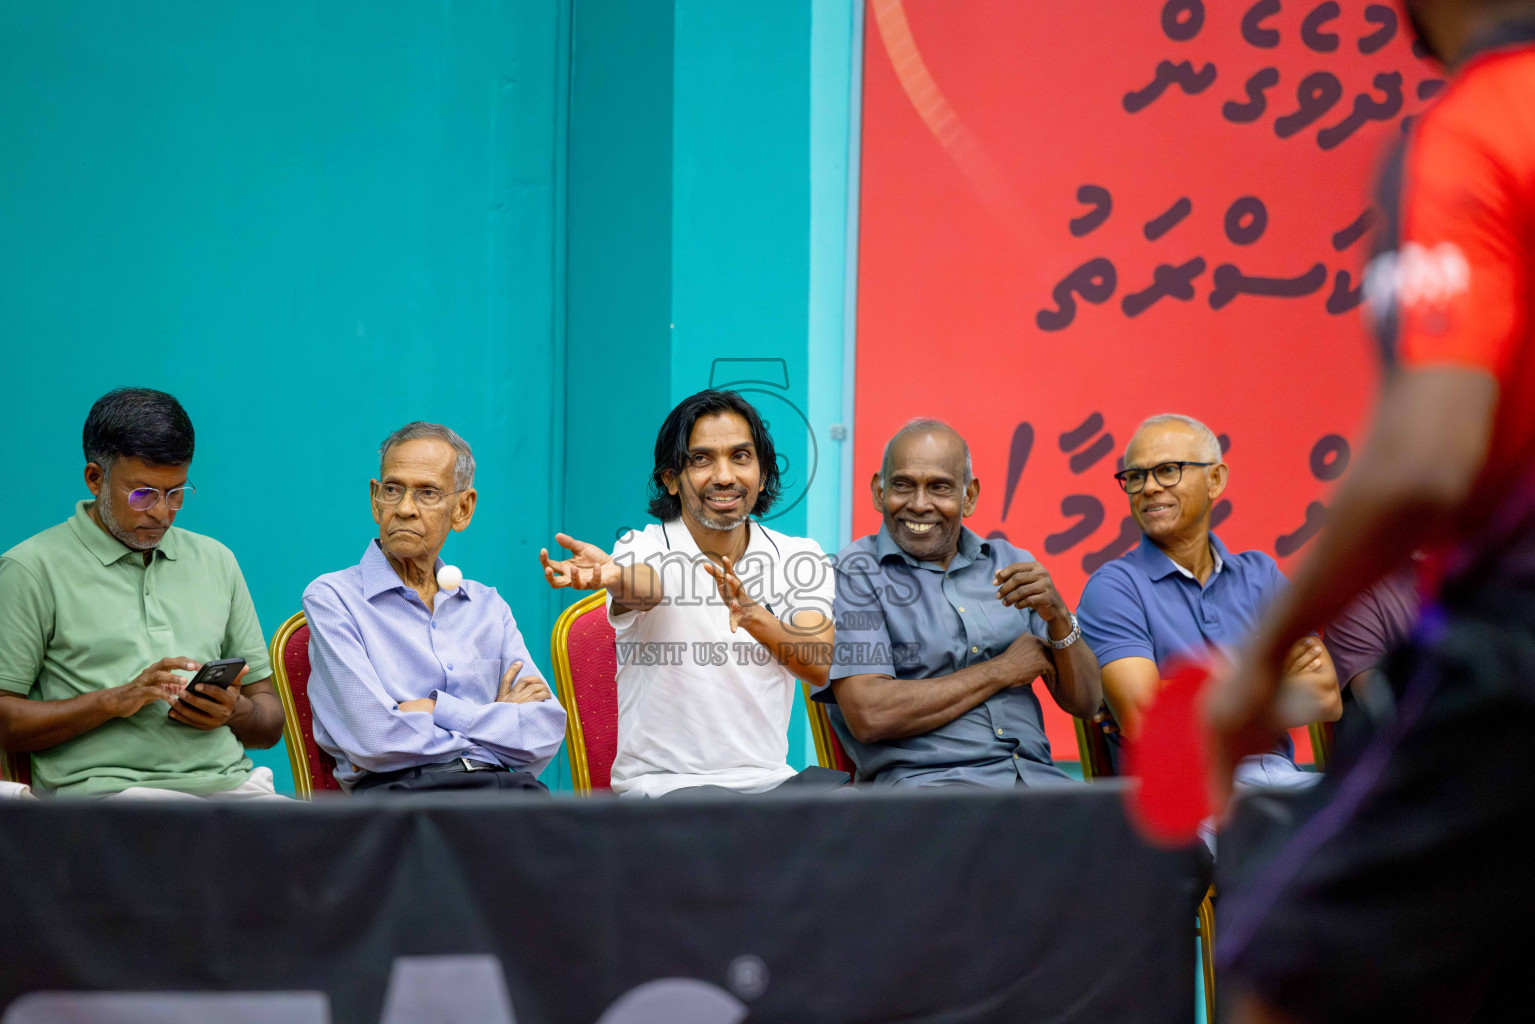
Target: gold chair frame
565, 687
820, 730
292, 734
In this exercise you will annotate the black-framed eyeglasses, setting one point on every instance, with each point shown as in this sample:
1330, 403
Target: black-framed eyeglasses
1168, 474
142, 499
425, 497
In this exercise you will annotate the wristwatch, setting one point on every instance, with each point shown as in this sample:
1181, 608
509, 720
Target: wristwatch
1071, 638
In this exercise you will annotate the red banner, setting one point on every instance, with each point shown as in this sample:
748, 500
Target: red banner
1074, 216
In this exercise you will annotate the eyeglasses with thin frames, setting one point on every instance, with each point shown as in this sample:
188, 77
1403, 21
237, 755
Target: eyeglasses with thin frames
142, 499
424, 497
1168, 474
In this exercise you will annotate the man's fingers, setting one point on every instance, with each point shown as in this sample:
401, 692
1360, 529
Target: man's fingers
166, 678
507, 679
206, 702
1017, 583
555, 581
1027, 594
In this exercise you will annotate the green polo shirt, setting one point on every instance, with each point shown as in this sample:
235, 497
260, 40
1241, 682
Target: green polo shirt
81, 612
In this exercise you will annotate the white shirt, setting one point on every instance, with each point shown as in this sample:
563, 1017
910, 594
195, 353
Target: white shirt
699, 705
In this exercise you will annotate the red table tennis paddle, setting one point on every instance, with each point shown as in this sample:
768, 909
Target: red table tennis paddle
1170, 759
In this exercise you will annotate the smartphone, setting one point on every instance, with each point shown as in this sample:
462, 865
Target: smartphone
218, 673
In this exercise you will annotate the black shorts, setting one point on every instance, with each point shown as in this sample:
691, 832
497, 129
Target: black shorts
1406, 890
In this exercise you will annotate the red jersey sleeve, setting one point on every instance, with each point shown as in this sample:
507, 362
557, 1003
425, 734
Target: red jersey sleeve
1461, 277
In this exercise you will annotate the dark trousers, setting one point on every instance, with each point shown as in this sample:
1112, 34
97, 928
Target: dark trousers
444, 776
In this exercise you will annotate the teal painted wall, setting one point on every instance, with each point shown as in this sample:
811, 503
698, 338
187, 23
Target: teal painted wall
539, 222
740, 223
618, 291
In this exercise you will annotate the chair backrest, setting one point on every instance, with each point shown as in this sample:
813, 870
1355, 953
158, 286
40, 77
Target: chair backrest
16, 767
1093, 749
313, 768
585, 653
1320, 734
829, 752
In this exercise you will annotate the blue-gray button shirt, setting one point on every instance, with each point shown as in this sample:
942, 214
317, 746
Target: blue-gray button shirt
915, 620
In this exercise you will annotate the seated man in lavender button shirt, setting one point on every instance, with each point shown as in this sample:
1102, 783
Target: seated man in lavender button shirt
415, 687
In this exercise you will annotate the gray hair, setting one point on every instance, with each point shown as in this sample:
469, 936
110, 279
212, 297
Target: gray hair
1209, 444
925, 424
463, 465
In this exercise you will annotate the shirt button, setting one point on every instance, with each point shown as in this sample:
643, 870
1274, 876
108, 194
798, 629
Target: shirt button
450, 667
434, 625
975, 650
1017, 756
999, 732
961, 609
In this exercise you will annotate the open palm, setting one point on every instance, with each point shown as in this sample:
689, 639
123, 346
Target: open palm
588, 567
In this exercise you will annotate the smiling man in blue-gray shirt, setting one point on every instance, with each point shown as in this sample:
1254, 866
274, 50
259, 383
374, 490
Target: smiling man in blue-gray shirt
941, 633
415, 686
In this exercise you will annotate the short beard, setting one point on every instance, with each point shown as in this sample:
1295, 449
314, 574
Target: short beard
708, 518
104, 512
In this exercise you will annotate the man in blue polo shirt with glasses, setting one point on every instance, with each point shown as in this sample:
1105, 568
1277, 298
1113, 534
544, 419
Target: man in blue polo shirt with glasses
1181, 594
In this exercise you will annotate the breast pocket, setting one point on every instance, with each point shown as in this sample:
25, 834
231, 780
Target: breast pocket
482, 681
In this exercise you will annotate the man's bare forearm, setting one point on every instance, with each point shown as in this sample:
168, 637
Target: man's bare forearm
31, 725
880, 708
1078, 686
806, 656
258, 718
635, 587
1405, 490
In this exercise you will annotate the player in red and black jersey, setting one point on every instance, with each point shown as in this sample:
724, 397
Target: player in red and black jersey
1408, 891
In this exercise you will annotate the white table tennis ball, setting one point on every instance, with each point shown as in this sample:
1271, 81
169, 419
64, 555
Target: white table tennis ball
448, 577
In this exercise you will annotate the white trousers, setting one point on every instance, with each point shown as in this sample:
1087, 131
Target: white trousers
258, 787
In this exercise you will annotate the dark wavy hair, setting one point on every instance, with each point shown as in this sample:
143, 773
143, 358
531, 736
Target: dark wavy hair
672, 449
138, 423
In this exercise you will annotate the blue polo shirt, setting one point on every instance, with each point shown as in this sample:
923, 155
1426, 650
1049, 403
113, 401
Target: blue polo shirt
1145, 605
915, 621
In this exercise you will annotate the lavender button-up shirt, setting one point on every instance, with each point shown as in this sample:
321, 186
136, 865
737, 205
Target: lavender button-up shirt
373, 643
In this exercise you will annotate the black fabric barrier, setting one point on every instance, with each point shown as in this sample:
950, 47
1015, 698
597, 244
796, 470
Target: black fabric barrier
952, 907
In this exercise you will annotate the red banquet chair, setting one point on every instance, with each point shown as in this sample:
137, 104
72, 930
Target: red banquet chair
585, 656
829, 752
585, 653
313, 769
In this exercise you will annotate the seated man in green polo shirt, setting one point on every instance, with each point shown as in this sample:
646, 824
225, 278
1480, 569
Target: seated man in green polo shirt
100, 613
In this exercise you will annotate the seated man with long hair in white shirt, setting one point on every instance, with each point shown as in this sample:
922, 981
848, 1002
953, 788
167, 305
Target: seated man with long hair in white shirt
716, 614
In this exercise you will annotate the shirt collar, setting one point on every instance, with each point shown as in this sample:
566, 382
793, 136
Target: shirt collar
677, 537
379, 577
971, 547
107, 547
1159, 566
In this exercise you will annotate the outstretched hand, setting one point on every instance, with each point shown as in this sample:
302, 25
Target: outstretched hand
732, 592
588, 567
